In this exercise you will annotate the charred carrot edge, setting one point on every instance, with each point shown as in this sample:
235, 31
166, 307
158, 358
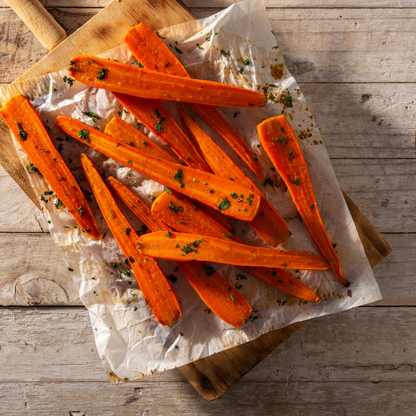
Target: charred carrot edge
282, 146
155, 287
183, 216
189, 247
126, 133
204, 187
222, 299
150, 50
154, 116
118, 128
28, 128
139, 82
268, 223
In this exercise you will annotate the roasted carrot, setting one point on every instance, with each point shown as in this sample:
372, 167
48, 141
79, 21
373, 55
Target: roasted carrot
180, 214
126, 133
120, 129
189, 247
128, 79
268, 223
153, 54
154, 116
204, 187
28, 128
282, 146
222, 299
155, 288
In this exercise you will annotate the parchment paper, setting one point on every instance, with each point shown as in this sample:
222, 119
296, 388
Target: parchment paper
129, 340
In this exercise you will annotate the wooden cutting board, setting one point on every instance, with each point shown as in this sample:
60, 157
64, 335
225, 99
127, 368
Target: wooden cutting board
210, 376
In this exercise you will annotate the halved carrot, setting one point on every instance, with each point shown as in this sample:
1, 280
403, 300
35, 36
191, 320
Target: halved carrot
204, 187
180, 214
128, 79
155, 288
282, 146
120, 129
222, 299
28, 128
124, 132
189, 247
268, 223
150, 50
154, 116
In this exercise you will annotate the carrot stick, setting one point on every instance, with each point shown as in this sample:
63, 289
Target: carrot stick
150, 50
182, 215
204, 187
126, 133
28, 128
222, 299
188, 247
268, 223
155, 287
282, 146
154, 116
128, 79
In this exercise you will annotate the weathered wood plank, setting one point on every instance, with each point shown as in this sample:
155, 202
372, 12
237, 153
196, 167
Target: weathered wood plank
371, 45
39, 276
366, 353
226, 3
364, 344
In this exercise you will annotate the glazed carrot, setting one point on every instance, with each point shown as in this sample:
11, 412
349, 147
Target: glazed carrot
268, 223
204, 187
222, 299
180, 214
128, 79
127, 134
282, 146
28, 128
120, 129
189, 247
154, 286
153, 54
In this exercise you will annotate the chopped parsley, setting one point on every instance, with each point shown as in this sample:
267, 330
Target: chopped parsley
81, 211
84, 134
224, 204
209, 271
179, 176
22, 133
101, 73
92, 115
32, 168
174, 208
69, 80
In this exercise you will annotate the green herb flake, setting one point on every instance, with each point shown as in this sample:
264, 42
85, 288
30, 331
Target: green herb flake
227, 235
232, 297
224, 204
84, 134
241, 70
284, 264
81, 211
247, 62
128, 231
22, 133
209, 271
234, 195
167, 190
312, 206
169, 234
69, 80
101, 73
32, 168
92, 115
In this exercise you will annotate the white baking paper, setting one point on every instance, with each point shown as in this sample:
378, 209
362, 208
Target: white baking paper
129, 340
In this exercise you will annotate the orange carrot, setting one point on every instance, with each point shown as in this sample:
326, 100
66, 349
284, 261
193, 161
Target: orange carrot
120, 129
187, 218
128, 79
204, 187
222, 299
154, 116
268, 223
150, 50
153, 284
282, 146
28, 128
189, 247
127, 134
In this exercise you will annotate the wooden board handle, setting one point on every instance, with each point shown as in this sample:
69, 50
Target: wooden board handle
39, 21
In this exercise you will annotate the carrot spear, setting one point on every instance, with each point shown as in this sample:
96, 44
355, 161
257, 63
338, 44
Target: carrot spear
155, 287
28, 128
282, 146
204, 187
139, 82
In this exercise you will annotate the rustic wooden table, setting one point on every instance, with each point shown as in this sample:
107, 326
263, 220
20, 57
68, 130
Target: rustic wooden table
355, 62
